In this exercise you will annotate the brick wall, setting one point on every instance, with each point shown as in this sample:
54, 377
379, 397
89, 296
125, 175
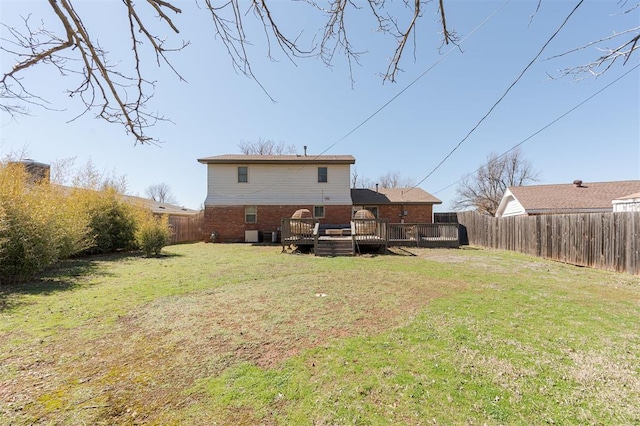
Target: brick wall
229, 222
415, 213
229, 225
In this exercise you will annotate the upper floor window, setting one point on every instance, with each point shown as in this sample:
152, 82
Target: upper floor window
322, 175
243, 174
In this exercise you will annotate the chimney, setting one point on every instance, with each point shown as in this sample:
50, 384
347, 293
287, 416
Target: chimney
376, 188
38, 172
577, 183
305, 150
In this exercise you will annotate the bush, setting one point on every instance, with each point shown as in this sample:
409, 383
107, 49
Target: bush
153, 234
112, 221
72, 230
28, 247
42, 223
38, 226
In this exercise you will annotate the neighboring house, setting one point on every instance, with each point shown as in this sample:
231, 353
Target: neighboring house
253, 193
629, 203
41, 171
578, 197
398, 205
160, 208
186, 223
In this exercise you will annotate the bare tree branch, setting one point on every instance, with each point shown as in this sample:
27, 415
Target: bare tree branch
104, 88
627, 41
484, 191
395, 180
266, 147
161, 193
122, 95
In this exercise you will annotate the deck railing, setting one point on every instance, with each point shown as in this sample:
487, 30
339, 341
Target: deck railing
370, 231
424, 234
374, 232
316, 234
294, 231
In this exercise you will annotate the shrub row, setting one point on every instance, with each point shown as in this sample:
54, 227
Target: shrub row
41, 224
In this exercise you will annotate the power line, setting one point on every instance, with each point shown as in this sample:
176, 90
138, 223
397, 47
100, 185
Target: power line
376, 112
446, 157
544, 127
362, 123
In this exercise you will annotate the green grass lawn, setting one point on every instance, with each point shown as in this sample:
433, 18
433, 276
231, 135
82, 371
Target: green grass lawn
245, 335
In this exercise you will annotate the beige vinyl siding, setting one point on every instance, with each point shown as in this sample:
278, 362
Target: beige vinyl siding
278, 184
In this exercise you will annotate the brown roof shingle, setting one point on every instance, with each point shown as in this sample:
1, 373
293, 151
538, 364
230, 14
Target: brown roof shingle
630, 196
278, 159
593, 195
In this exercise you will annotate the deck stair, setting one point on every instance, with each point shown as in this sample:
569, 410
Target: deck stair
334, 246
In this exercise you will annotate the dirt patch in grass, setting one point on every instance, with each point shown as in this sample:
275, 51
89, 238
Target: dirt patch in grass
268, 322
138, 372
606, 377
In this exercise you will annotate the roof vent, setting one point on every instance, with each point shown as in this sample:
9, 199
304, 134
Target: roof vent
577, 183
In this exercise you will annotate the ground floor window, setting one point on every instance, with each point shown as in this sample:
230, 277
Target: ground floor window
251, 214
318, 212
372, 209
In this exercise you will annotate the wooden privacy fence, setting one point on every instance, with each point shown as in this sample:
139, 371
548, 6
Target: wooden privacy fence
186, 228
608, 241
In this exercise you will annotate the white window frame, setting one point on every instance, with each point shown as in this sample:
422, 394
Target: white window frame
250, 211
314, 212
246, 175
326, 174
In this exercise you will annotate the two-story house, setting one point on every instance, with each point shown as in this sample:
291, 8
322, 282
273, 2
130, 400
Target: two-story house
255, 192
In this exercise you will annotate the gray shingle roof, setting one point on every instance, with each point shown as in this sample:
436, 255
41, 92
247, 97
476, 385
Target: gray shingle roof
392, 195
593, 195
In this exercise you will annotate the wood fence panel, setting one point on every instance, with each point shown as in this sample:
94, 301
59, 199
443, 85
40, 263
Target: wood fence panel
608, 241
186, 228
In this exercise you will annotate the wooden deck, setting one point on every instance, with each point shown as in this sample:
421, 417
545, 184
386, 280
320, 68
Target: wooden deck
365, 234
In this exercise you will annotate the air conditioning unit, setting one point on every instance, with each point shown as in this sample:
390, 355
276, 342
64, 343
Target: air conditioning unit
251, 236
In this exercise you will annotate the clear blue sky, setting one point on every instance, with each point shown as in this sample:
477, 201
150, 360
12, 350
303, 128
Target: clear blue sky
317, 106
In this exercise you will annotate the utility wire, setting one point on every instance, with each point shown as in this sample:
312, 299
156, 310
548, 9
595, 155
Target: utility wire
362, 123
446, 157
543, 128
